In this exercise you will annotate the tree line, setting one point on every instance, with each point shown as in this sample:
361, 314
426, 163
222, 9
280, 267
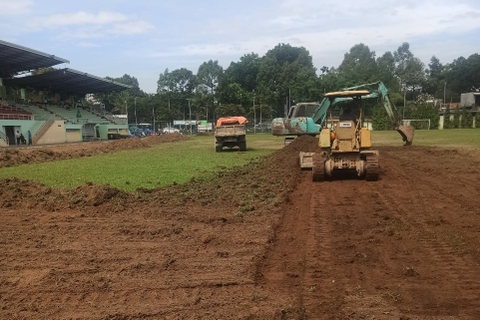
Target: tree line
265, 86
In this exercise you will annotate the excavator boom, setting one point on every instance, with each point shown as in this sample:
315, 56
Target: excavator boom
407, 132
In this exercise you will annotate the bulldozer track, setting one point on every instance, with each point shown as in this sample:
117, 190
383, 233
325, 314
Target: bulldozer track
318, 168
373, 168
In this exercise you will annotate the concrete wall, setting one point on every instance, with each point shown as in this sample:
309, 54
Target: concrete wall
73, 135
56, 133
108, 129
22, 125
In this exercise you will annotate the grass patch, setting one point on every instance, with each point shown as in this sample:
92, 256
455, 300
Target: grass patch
171, 163
149, 168
445, 138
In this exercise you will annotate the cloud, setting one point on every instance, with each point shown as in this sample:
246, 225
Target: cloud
130, 28
86, 44
84, 25
78, 18
17, 7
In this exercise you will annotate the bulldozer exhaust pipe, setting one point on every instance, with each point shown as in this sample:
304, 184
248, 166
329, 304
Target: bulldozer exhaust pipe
407, 133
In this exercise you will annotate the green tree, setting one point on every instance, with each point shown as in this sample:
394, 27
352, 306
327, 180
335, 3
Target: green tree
208, 75
447, 123
380, 118
287, 75
463, 75
226, 110
435, 81
426, 111
456, 118
409, 70
358, 66
386, 71
466, 119
175, 88
239, 82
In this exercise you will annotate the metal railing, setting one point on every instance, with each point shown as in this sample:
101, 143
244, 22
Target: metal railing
43, 129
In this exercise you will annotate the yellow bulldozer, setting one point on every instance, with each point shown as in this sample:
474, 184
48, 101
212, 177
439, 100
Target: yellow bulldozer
345, 146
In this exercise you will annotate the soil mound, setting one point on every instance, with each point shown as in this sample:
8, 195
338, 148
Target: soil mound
15, 156
261, 241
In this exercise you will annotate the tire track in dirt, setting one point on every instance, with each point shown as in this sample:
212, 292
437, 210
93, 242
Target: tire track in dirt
320, 294
448, 284
319, 222
280, 274
345, 291
361, 244
451, 180
453, 282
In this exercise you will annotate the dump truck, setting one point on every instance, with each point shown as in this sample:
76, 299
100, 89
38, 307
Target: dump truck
230, 132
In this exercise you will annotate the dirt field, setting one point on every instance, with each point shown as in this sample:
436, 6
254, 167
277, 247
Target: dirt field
260, 242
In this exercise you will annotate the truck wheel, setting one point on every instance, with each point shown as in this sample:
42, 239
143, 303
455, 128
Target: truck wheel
243, 146
218, 148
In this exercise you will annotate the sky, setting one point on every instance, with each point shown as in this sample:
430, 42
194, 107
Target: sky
143, 38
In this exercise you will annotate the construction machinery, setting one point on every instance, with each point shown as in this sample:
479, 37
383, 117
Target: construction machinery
231, 132
304, 118
346, 145
308, 118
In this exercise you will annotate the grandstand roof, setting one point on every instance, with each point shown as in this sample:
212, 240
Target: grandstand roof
15, 59
67, 81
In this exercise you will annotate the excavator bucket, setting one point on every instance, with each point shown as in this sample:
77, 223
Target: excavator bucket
306, 160
407, 133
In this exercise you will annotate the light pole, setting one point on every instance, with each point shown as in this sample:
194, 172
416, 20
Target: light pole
126, 110
135, 110
261, 115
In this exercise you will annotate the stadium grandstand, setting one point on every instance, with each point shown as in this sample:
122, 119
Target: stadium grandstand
52, 105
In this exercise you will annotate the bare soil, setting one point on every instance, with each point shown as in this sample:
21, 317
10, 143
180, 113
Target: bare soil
258, 242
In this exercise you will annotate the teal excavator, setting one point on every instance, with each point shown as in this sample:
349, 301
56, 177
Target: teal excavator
309, 118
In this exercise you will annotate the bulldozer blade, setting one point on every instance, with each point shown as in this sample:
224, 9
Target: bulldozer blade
407, 133
306, 160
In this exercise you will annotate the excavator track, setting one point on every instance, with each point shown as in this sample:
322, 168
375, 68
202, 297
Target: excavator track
318, 168
373, 168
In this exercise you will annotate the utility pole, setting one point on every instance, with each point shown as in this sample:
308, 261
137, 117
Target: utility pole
190, 116
444, 94
153, 115
254, 115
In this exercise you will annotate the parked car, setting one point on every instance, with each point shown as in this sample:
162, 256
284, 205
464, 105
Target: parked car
170, 130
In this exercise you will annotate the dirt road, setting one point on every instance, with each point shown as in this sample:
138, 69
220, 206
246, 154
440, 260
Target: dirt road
260, 242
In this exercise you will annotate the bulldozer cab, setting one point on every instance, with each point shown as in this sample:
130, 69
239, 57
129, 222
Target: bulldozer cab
345, 136
351, 111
